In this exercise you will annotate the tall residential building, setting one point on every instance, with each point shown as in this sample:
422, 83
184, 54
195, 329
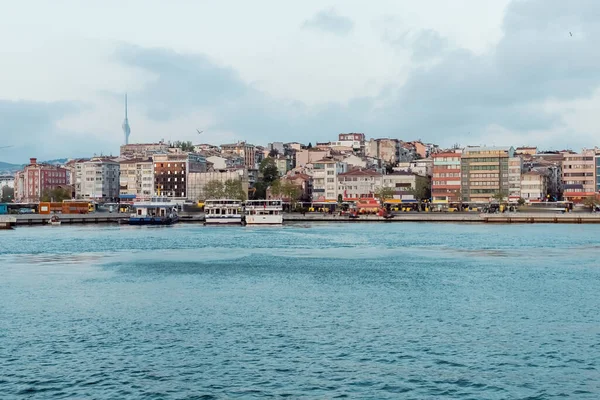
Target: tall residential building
597, 162
137, 178
404, 184
515, 170
445, 184
355, 141
171, 173
578, 175
484, 173
386, 150
35, 179
325, 179
126, 128
246, 150
99, 179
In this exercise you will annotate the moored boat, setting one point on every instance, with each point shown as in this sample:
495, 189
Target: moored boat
157, 211
263, 212
54, 220
223, 211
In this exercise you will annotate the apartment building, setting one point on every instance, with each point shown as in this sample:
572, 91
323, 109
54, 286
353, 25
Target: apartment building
386, 150
484, 173
99, 179
445, 183
325, 179
243, 149
515, 170
35, 179
359, 184
578, 174
171, 173
534, 185
404, 184
137, 178
597, 163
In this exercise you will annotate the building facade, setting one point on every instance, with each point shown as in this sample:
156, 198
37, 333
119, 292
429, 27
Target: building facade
404, 184
386, 150
99, 179
534, 186
579, 175
484, 173
143, 150
515, 170
243, 149
136, 178
325, 182
35, 179
445, 182
171, 173
359, 184
197, 181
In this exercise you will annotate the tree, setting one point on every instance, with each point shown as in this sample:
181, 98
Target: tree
384, 193
214, 190
389, 168
55, 195
421, 190
184, 146
340, 199
589, 202
309, 145
7, 194
269, 170
498, 196
273, 153
521, 201
233, 189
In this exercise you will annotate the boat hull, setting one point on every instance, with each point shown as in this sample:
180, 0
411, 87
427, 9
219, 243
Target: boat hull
229, 220
152, 221
264, 219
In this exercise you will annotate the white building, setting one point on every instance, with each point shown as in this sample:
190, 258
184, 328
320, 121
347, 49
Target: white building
515, 170
7, 180
100, 179
325, 179
534, 186
136, 178
198, 180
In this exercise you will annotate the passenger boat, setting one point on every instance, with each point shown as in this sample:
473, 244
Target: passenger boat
54, 220
157, 211
257, 212
223, 211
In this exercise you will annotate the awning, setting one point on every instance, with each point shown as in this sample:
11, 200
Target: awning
127, 196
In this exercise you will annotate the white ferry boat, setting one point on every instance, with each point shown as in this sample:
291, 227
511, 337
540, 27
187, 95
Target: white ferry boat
263, 212
157, 211
223, 211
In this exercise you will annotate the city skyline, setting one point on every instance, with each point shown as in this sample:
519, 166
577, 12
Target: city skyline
492, 72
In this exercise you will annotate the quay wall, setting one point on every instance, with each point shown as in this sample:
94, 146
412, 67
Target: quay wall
569, 218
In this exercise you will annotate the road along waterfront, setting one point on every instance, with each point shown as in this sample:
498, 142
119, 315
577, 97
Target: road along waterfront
308, 310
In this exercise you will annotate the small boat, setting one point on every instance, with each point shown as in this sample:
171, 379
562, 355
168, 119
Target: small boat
157, 211
54, 220
263, 212
223, 211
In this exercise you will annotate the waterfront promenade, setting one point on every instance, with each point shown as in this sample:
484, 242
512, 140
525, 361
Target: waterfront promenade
568, 218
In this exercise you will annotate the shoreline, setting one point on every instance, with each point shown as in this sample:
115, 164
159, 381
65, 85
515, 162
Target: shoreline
505, 218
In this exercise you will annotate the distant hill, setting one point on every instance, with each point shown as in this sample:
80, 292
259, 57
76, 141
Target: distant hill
7, 167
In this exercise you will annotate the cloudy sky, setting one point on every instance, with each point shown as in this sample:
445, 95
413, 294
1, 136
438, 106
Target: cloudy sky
496, 72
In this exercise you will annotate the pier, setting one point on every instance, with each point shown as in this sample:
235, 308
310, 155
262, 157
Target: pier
7, 222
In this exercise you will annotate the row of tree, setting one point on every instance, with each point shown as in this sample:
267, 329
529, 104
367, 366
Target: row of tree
230, 189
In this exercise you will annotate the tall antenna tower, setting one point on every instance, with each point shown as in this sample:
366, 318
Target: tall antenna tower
126, 128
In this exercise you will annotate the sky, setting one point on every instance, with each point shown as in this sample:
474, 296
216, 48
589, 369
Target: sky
468, 72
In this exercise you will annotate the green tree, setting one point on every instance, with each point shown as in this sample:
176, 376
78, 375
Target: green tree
268, 170
340, 199
56, 195
273, 153
233, 189
521, 201
499, 197
7, 194
214, 190
589, 202
384, 193
422, 190
309, 145
291, 191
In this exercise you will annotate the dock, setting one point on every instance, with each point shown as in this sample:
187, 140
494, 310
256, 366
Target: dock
503, 218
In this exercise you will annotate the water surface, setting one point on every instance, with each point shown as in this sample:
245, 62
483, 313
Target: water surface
397, 310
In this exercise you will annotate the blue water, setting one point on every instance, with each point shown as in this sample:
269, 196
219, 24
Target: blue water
370, 311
